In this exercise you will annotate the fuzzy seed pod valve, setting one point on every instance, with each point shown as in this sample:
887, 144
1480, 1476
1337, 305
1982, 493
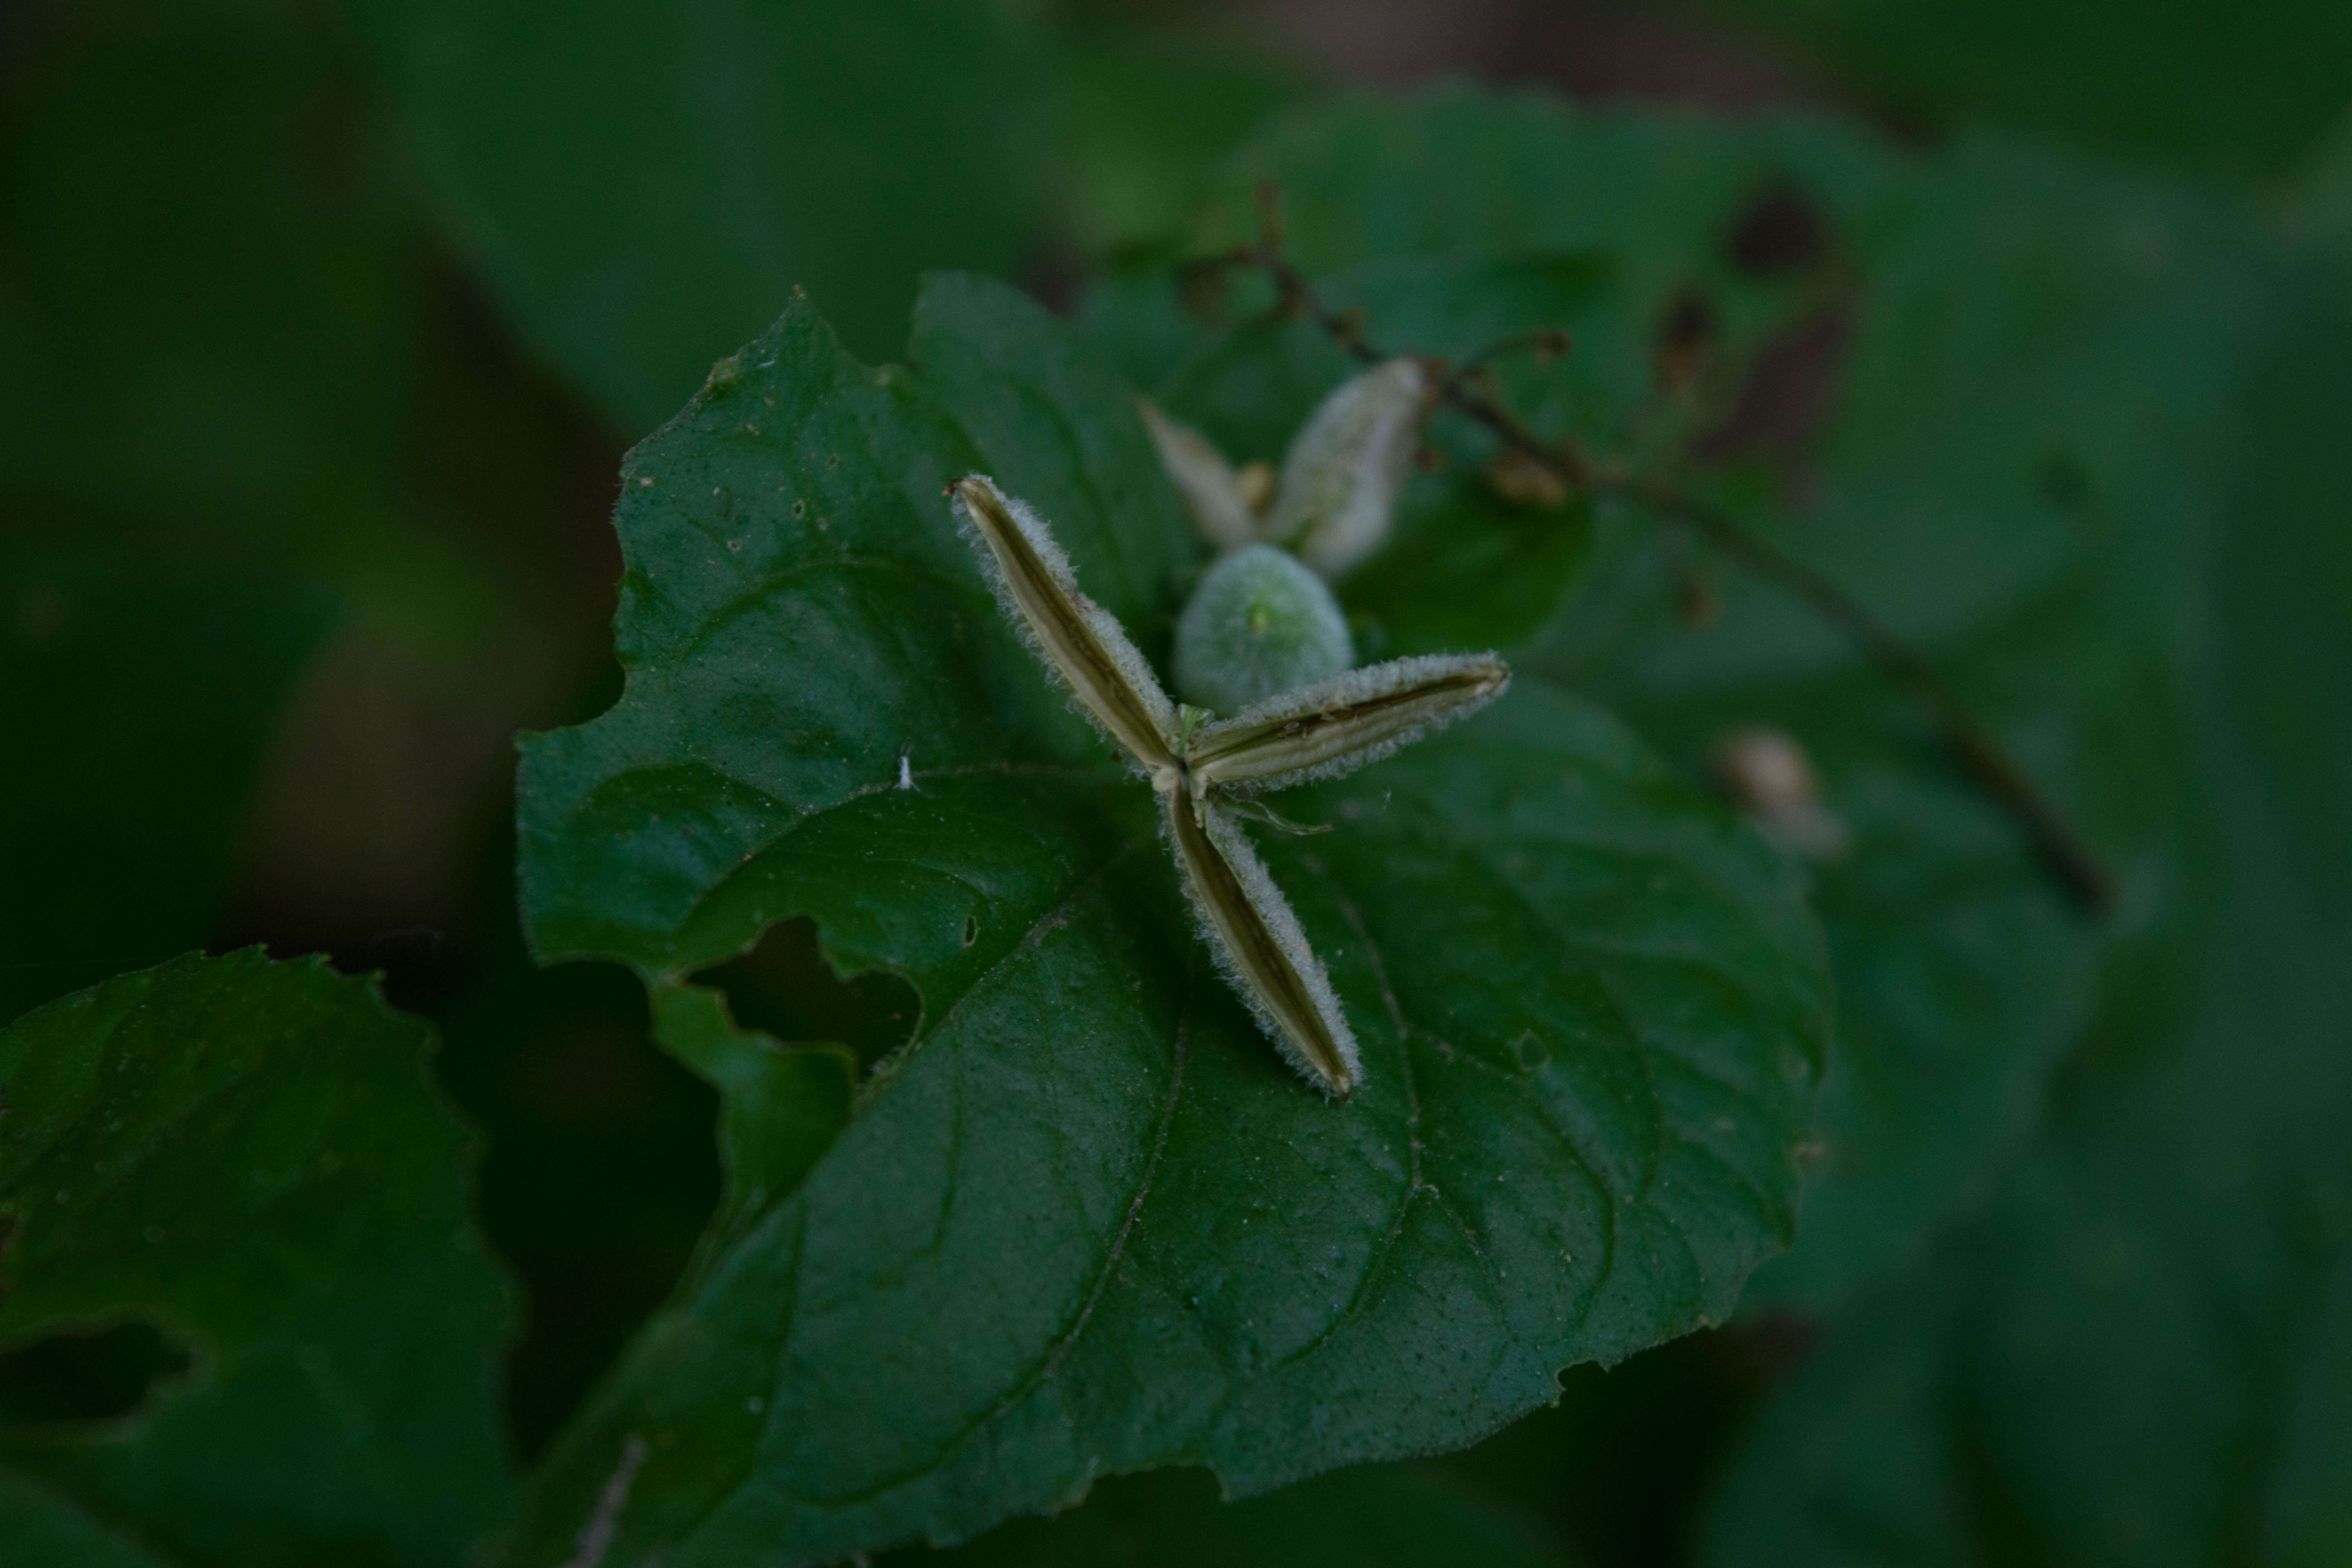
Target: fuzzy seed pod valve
1208, 775
1219, 502
1341, 479
1335, 497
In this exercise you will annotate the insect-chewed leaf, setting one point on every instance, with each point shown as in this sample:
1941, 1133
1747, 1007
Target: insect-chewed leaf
1335, 727
1259, 942
1211, 489
1341, 475
1082, 642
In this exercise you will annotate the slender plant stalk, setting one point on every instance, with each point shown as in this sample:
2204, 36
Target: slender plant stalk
1970, 745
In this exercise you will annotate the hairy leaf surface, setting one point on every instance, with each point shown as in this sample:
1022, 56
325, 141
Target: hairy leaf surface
1086, 1221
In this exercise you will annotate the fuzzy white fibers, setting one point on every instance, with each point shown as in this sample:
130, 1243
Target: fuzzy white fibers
1221, 929
1330, 729
1210, 488
1346, 465
1051, 612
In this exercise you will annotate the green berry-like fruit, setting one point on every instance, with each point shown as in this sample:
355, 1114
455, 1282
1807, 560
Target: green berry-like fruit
1260, 624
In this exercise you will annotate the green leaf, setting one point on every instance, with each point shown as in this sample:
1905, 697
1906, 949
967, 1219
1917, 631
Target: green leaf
2144, 1355
1146, 116
645, 185
252, 396
247, 1157
2215, 89
1086, 1221
2021, 449
258, 374
1472, 175
120, 832
1390, 1516
2027, 353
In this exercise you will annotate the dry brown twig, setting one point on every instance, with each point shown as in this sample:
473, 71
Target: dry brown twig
1469, 391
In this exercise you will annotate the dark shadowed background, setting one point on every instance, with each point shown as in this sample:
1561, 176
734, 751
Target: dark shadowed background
324, 325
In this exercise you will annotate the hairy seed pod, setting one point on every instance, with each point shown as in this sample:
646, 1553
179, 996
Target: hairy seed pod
1332, 728
1079, 640
1259, 623
1222, 506
1345, 467
1205, 772
1259, 945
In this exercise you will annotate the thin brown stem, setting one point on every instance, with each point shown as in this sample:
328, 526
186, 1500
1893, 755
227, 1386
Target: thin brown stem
1970, 745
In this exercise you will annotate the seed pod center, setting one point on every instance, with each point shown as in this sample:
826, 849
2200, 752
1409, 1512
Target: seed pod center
1260, 624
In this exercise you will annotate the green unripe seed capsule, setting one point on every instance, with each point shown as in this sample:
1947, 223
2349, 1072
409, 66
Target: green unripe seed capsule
1260, 624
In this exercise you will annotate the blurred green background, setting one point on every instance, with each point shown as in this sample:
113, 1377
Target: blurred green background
324, 327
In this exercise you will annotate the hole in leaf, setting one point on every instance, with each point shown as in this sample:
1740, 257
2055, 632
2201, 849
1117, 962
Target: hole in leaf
86, 1374
784, 986
971, 930
1778, 231
603, 1165
1679, 353
1791, 389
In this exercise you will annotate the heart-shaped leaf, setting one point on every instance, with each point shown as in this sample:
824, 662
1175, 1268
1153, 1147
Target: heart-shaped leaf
1086, 1221
246, 1159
